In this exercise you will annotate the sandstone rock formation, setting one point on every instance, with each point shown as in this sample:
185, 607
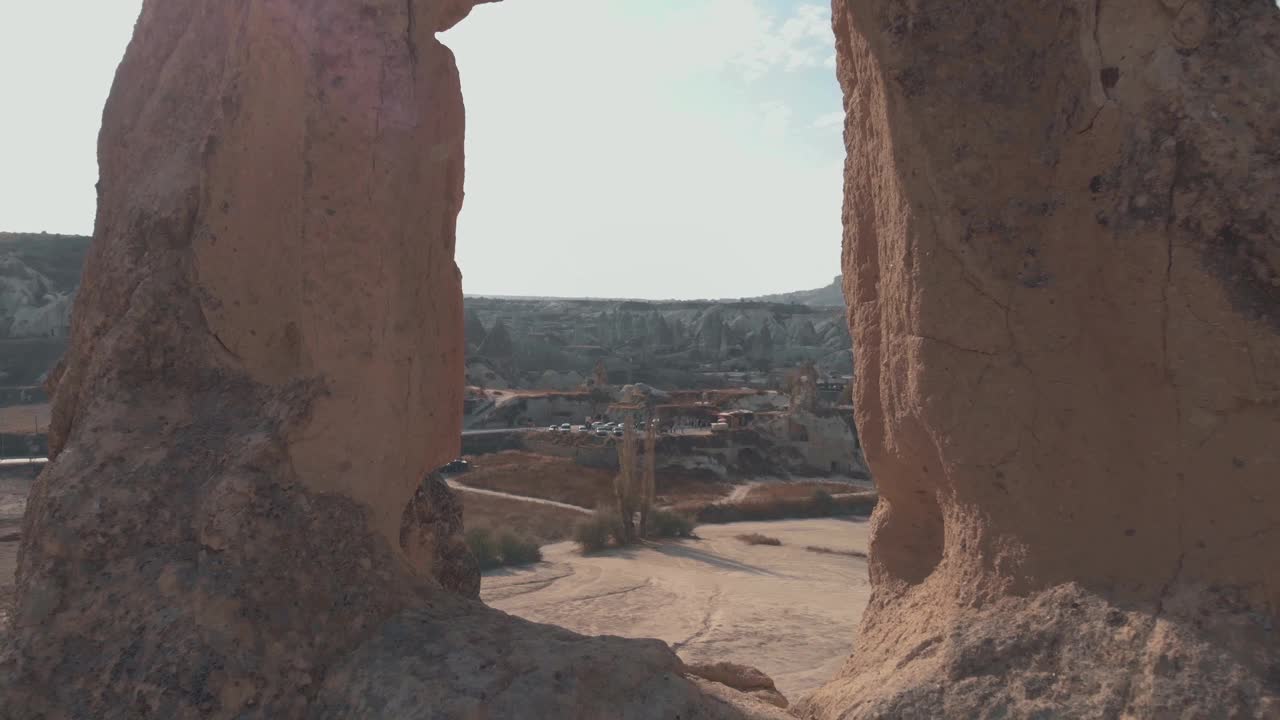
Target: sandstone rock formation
740, 677
266, 356
431, 536
1061, 259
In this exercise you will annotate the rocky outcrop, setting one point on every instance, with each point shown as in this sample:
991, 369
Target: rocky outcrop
30, 306
266, 355
474, 331
432, 539
827, 296
497, 342
39, 274
740, 677
671, 344
1061, 262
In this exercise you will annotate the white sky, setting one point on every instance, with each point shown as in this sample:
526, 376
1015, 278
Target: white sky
57, 60
625, 148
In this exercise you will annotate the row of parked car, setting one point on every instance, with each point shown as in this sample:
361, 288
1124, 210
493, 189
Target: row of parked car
456, 467
600, 429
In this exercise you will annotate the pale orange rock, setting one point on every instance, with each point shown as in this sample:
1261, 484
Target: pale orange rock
1061, 264
266, 361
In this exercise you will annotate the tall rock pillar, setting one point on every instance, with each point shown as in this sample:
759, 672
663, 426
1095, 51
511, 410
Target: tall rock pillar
1062, 265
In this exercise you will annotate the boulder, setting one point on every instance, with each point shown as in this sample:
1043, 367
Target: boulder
736, 676
742, 678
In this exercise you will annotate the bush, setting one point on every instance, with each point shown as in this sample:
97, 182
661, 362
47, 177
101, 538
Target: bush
593, 535
829, 551
483, 548
517, 550
758, 539
823, 504
668, 524
508, 549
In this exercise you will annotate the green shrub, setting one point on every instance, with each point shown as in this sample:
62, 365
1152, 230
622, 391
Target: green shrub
668, 524
517, 550
823, 504
593, 534
829, 551
758, 539
483, 548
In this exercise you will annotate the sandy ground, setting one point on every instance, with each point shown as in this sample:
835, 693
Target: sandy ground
533, 521
790, 612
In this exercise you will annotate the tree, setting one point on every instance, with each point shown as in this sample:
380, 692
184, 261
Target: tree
634, 487
648, 482
626, 485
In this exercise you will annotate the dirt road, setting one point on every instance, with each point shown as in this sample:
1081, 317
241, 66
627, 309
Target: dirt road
786, 610
522, 498
23, 419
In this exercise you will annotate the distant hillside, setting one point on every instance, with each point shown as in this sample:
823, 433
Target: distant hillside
58, 258
539, 341
39, 274
829, 296
555, 344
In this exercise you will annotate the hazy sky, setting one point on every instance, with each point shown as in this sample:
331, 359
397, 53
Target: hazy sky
637, 148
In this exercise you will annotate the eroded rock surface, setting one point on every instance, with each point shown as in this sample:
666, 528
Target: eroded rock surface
266, 357
1061, 260
740, 677
431, 536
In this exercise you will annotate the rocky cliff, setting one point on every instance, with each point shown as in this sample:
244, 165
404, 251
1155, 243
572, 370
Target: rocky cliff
670, 344
541, 343
1062, 257
265, 358
39, 274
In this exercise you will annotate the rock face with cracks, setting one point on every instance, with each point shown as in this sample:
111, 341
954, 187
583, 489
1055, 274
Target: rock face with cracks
431, 536
1062, 261
266, 358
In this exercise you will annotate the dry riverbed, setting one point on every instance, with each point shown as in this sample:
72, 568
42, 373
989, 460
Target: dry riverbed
784, 609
